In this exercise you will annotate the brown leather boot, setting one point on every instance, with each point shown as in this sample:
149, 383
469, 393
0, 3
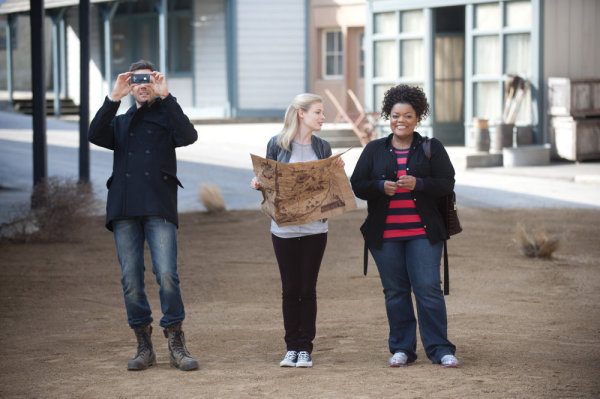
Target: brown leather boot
180, 357
145, 356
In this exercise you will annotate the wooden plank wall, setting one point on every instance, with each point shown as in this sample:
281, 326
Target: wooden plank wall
271, 53
210, 67
571, 38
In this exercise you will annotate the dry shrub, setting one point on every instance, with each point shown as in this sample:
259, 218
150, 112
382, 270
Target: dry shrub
537, 244
211, 198
58, 212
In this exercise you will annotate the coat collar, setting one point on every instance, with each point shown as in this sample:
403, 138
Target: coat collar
144, 107
417, 139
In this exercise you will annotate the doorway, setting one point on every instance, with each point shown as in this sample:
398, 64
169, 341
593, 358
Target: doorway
449, 75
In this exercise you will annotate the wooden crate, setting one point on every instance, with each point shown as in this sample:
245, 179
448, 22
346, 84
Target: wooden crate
574, 97
576, 139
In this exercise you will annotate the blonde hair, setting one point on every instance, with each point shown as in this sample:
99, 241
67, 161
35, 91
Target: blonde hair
290, 122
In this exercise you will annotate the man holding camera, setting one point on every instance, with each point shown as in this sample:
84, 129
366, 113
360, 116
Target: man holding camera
142, 201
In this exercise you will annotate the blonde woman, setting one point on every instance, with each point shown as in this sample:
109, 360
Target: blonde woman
299, 249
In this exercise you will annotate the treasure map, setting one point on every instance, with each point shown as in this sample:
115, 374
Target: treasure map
302, 192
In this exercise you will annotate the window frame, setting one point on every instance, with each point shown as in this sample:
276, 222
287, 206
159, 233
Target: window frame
325, 53
502, 32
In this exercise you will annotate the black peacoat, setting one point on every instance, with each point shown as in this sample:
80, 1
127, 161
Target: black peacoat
144, 177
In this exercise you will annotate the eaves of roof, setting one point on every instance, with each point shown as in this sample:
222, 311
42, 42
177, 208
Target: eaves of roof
21, 6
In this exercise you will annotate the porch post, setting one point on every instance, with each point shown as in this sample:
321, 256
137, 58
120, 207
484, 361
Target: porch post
62, 40
161, 6
38, 89
231, 55
56, 55
12, 19
84, 106
108, 12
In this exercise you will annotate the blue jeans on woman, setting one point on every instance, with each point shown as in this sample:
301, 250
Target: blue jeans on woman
414, 264
161, 236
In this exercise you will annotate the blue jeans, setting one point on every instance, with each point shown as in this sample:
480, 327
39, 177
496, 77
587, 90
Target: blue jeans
414, 264
161, 236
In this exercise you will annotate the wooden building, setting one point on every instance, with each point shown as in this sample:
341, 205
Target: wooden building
462, 52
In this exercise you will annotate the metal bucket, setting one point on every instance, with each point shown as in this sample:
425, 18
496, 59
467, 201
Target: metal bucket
503, 136
524, 135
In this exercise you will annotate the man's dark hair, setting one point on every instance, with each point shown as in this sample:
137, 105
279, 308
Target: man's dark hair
142, 64
405, 94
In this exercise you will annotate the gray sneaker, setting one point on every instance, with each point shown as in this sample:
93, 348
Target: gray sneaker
449, 361
304, 359
289, 360
399, 360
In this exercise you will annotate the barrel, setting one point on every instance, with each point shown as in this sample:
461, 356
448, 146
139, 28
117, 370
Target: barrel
481, 135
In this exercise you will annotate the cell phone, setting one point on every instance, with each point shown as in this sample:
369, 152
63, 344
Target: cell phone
140, 78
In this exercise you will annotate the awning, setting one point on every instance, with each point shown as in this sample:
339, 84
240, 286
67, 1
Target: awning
20, 6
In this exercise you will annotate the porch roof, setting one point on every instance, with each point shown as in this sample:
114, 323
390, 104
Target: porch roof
19, 6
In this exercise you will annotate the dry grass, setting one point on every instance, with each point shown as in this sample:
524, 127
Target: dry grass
57, 213
536, 244
211, 198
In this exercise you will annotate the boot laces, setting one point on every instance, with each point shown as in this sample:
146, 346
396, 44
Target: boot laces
178, 344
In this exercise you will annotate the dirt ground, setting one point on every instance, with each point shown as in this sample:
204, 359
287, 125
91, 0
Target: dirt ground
524, 328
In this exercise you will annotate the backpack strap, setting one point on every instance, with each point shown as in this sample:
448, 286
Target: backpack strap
426, 143
365, 259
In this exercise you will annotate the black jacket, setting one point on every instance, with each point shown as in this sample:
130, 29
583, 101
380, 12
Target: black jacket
320, 147
144, 178
378, 162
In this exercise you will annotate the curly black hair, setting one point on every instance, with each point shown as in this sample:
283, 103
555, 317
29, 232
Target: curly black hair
405, 94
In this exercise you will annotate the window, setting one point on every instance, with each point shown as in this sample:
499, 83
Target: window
385, 23
487, 55
179, 51
386, 59
413, 59
487, 16
487, 100
518, 14
332, 54
180, 37
412, 56
379, 94
398, 51
518, 54
501, 38
361, 57
412, 21
3, 38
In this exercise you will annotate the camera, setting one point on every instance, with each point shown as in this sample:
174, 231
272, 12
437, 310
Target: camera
140, 78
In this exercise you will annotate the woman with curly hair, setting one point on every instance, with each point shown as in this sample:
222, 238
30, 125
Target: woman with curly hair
404, 229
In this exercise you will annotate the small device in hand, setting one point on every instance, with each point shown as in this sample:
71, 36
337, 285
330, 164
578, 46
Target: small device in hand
140, 78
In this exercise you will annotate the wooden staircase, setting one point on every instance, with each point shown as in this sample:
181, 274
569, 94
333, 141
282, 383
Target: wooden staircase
339, 136
67, 106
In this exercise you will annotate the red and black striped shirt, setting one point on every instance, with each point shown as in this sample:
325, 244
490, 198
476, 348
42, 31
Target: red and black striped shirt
402, 222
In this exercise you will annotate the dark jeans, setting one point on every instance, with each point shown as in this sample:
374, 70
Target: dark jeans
299, 261
161, 236
414, 265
